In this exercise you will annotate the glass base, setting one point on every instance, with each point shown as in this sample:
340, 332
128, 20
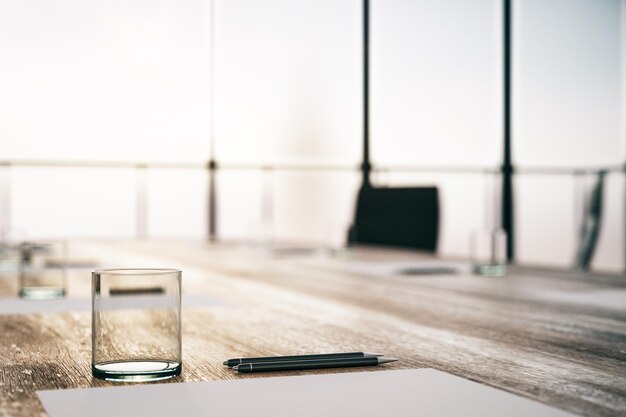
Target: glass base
490, 270
42, 293
136, 371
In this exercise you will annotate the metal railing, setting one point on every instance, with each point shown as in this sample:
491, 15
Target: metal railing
141, 178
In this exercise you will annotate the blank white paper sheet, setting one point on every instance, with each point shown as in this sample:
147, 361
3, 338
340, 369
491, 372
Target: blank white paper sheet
400, 393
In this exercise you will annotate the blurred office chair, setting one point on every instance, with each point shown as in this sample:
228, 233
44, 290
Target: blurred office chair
401, 217
590, 229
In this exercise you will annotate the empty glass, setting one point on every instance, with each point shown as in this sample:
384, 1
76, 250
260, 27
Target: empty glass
488, 252
42, 269
136, 330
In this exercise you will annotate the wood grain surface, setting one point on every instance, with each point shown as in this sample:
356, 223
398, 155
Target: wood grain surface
503, 332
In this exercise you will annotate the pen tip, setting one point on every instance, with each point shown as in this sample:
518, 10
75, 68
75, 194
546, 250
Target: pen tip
225, 363
372, 354
236, 367
386, 360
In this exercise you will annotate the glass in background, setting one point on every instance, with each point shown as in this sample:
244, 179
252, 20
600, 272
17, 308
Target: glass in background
488, 252
42, 269
136, 324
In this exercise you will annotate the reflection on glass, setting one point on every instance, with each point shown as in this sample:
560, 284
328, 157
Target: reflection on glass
42, 270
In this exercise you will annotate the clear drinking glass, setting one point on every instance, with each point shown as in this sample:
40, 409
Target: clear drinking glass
488, 252
42, 269
135, 327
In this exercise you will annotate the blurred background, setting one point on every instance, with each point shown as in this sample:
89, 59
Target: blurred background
111, 112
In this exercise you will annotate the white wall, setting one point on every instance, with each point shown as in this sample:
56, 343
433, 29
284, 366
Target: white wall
115, 80
288, 81
436, 82
568, 70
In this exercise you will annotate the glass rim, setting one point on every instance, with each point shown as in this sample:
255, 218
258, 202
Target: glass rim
136, 271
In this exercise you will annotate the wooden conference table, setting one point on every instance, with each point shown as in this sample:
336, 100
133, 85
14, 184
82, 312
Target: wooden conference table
532, 333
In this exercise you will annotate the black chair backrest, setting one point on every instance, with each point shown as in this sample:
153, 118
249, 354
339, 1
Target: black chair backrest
402, 217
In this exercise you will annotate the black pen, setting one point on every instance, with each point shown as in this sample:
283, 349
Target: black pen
311, 364
232, 362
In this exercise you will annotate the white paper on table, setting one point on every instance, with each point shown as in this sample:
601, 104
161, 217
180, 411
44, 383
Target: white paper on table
61, 305
401, 393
